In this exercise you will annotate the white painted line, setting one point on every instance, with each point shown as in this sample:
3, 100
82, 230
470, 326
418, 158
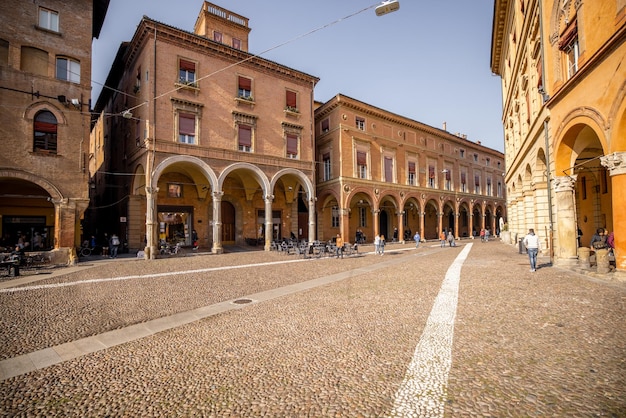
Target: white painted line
423, 391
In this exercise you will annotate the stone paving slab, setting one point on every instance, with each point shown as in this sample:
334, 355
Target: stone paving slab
525, 344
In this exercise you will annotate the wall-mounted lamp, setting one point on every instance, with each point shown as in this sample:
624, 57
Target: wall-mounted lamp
75, 103
127, 114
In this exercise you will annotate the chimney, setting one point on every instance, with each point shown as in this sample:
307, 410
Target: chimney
445, 126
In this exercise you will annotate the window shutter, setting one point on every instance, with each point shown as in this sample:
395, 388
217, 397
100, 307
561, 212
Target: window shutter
45, 122
412, 168
448, 175
463, 178
291, 99
292, 144
568, 35
187, 66
388, 169
325, 125
431, 172
477, 180
245, 135
361, 158
245, 83
186, 124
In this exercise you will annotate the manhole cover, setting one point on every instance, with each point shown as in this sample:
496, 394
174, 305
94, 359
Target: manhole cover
242, 301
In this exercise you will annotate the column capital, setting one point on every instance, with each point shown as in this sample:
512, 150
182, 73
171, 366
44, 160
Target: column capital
615, 163
565, 183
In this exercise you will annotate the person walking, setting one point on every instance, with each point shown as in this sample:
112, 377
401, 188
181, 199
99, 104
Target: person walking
417, 239
382, 244
531, 242
442, 239
114, 244
377, 244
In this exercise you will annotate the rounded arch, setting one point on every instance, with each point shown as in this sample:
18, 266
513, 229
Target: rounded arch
51, 189
255, 171
304, 180
578, 135
36, 107
190, 166
139, 181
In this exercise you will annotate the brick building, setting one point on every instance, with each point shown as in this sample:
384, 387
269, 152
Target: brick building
201, 135
379, 172
45, 86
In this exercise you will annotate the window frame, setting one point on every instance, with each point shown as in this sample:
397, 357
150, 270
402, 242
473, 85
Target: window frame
359, 123
48, 25
187, 138
50, 136
327, 164
411, 177
69, 70
242, 92
245, 127
334, 217
292, 137
186, 74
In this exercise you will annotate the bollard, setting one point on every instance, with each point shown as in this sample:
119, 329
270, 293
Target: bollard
522, 249
602, 260
583, 257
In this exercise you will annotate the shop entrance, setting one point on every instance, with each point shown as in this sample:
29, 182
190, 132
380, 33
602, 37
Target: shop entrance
175, 224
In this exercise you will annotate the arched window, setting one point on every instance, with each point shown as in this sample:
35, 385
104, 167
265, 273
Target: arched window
45, 132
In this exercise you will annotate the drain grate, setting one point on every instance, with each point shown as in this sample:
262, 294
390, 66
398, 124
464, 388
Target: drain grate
242, 301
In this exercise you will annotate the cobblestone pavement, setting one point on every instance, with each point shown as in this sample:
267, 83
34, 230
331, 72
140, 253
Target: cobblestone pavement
329, 338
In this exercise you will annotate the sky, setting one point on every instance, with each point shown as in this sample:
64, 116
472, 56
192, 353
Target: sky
428, 61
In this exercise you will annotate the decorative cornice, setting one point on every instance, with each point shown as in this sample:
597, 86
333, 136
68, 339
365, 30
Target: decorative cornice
615, 163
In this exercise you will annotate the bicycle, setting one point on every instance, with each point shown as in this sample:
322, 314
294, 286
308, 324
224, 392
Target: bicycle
85, 251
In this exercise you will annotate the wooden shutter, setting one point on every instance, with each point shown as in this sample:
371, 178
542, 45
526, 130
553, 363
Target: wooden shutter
245, 135
361, 158
463, 178
187, 66
477, 180
325, 125
292, 144
448, 175
388, 169
186, 124
412, 168
245, 83
431, 171
291, 99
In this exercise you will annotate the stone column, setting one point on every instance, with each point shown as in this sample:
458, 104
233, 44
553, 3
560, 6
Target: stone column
269, 230
401, 226
375, 215
421, 215
456, 225
616, 165
217, 223
312, 235
566, 253
151, 223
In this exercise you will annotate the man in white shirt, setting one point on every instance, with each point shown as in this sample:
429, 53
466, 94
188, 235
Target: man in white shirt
531, 242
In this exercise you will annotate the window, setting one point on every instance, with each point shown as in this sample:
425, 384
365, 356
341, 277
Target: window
4, 52
487, 161
292, 146
236, 43
462, 153
477, 184
48, 19
361, 162
291, 101
411, 176
464, 182
217, 36
245, 138
137, 86
389, 169
187, 72
362, 217
448, 181
499, 189
186, 128
325, 125
488, 186
604, 184
335, 217
431, 176
568, 43
244, 88
475, 158
68, 70
360, 123
45, 132
326, 163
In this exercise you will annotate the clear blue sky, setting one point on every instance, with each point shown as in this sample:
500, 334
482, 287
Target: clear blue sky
429, 61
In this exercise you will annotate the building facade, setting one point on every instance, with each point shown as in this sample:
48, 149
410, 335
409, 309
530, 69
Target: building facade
45, 90
382, 173
201, 135
564, 115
